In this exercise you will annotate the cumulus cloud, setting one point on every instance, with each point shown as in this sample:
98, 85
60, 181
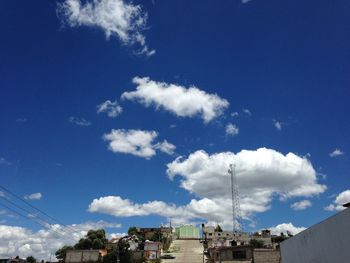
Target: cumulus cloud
261, 175
181, 101
79, 121
111, 108
302, 205
340, 200
137, 142
234, 114
125, 21
15, 240
231, 129
34, 196
286, 227
336, 152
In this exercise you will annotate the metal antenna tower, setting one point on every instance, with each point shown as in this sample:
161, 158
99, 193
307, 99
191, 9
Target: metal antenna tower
236, 209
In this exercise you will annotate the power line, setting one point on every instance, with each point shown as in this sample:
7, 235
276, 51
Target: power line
72, 230
28, 217
23, 209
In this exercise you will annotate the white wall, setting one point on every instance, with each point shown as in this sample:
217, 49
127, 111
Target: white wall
326, 242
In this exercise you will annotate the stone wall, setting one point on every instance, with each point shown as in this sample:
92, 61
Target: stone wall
267, 256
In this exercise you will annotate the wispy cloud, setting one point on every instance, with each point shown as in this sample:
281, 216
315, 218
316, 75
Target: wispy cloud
301, 205
247, 112
118, 18
4, 161
79, 121
34, 196
231, 129
336, 152
278, 125
112, 109
234, 114
21, 120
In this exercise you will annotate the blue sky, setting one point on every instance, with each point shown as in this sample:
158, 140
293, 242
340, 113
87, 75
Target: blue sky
192, 86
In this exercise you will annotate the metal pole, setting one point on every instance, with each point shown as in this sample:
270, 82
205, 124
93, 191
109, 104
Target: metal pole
232, 171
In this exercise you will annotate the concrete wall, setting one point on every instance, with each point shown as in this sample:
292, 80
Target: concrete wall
266, 256
75, 256
325, 242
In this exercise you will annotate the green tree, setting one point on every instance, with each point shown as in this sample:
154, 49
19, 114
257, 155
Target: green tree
121, 253
157, 236
218, 228
61, 253
31, 259
256, 243
94, 239
132, 231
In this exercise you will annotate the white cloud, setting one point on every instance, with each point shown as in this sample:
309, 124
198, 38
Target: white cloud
15, 240
79, 121
231, 129
234, 114
112, 108
336, 152
342, 199
283, 228
182, 101
261, 175
247, 112
278, 125
125, 21
165, 147
137, 142
34, 196
302, 205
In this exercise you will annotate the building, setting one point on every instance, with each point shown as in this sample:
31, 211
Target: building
151, 250
78, 256
187, 232
150, 232
327, 241
240, 254
230, 238
243, 254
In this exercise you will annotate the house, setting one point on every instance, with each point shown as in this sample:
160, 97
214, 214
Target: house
151, 250
243, 254
229, 254
327, 241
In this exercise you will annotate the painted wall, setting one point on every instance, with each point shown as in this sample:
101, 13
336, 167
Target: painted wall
187, 231
325, 242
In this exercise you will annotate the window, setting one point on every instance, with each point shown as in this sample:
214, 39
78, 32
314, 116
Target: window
239, 254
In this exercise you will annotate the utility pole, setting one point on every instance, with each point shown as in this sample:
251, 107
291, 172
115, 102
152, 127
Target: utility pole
236, 211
